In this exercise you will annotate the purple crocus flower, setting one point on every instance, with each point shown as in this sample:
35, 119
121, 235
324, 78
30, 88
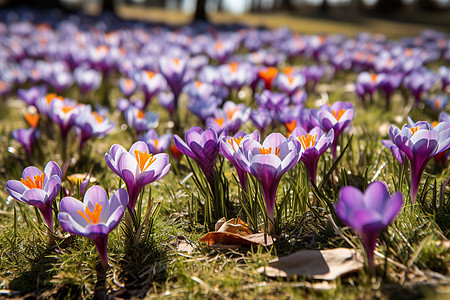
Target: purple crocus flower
419, 82
229, 145
268, 162
202, 147
314, 144
368, 213
26, 137
91, 125
156, 144
313, 74
444, 117
444, 76
31, 95
337, 117
438, 102
420, 143
290, 83
176, 73
167, 101
272, 101
366, 83
137, 167
95, 217
151, 83
63, 113
261, 118
87, 79
140, 121
398, 154
127, 86
38, 189
389, 82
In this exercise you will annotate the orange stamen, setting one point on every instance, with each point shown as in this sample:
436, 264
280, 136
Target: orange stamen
66, 109
32, 119
435, 123
237, 141
234, 67
144, 159
414, 130
50, 97
308, 140
218, 46
150, 74
265, 151
437, 104
198, 84
97, 117
291, 125
288, 70
291, 79
91, 217
156, 143
219, 121
338, 114
36, 183
129, 83
140, 114
373, 77
176, 61
230, 113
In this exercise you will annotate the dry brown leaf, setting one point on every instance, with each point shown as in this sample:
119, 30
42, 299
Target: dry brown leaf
316, 264
234, 233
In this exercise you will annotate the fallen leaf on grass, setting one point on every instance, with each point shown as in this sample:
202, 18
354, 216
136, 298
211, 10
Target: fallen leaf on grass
316, 264
234, 233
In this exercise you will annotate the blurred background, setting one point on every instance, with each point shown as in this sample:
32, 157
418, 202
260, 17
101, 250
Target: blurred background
268, 13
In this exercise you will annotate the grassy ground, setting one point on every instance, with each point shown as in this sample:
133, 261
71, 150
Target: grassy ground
414, 252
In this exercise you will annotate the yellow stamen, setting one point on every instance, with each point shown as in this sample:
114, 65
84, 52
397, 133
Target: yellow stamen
36, 183
308, 140
91, 217
144, 159
414, 130
291, 79
338, 114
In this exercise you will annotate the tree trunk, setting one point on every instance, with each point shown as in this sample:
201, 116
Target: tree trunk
200, 11
388, 6
108, 5
324, 6
287, 5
